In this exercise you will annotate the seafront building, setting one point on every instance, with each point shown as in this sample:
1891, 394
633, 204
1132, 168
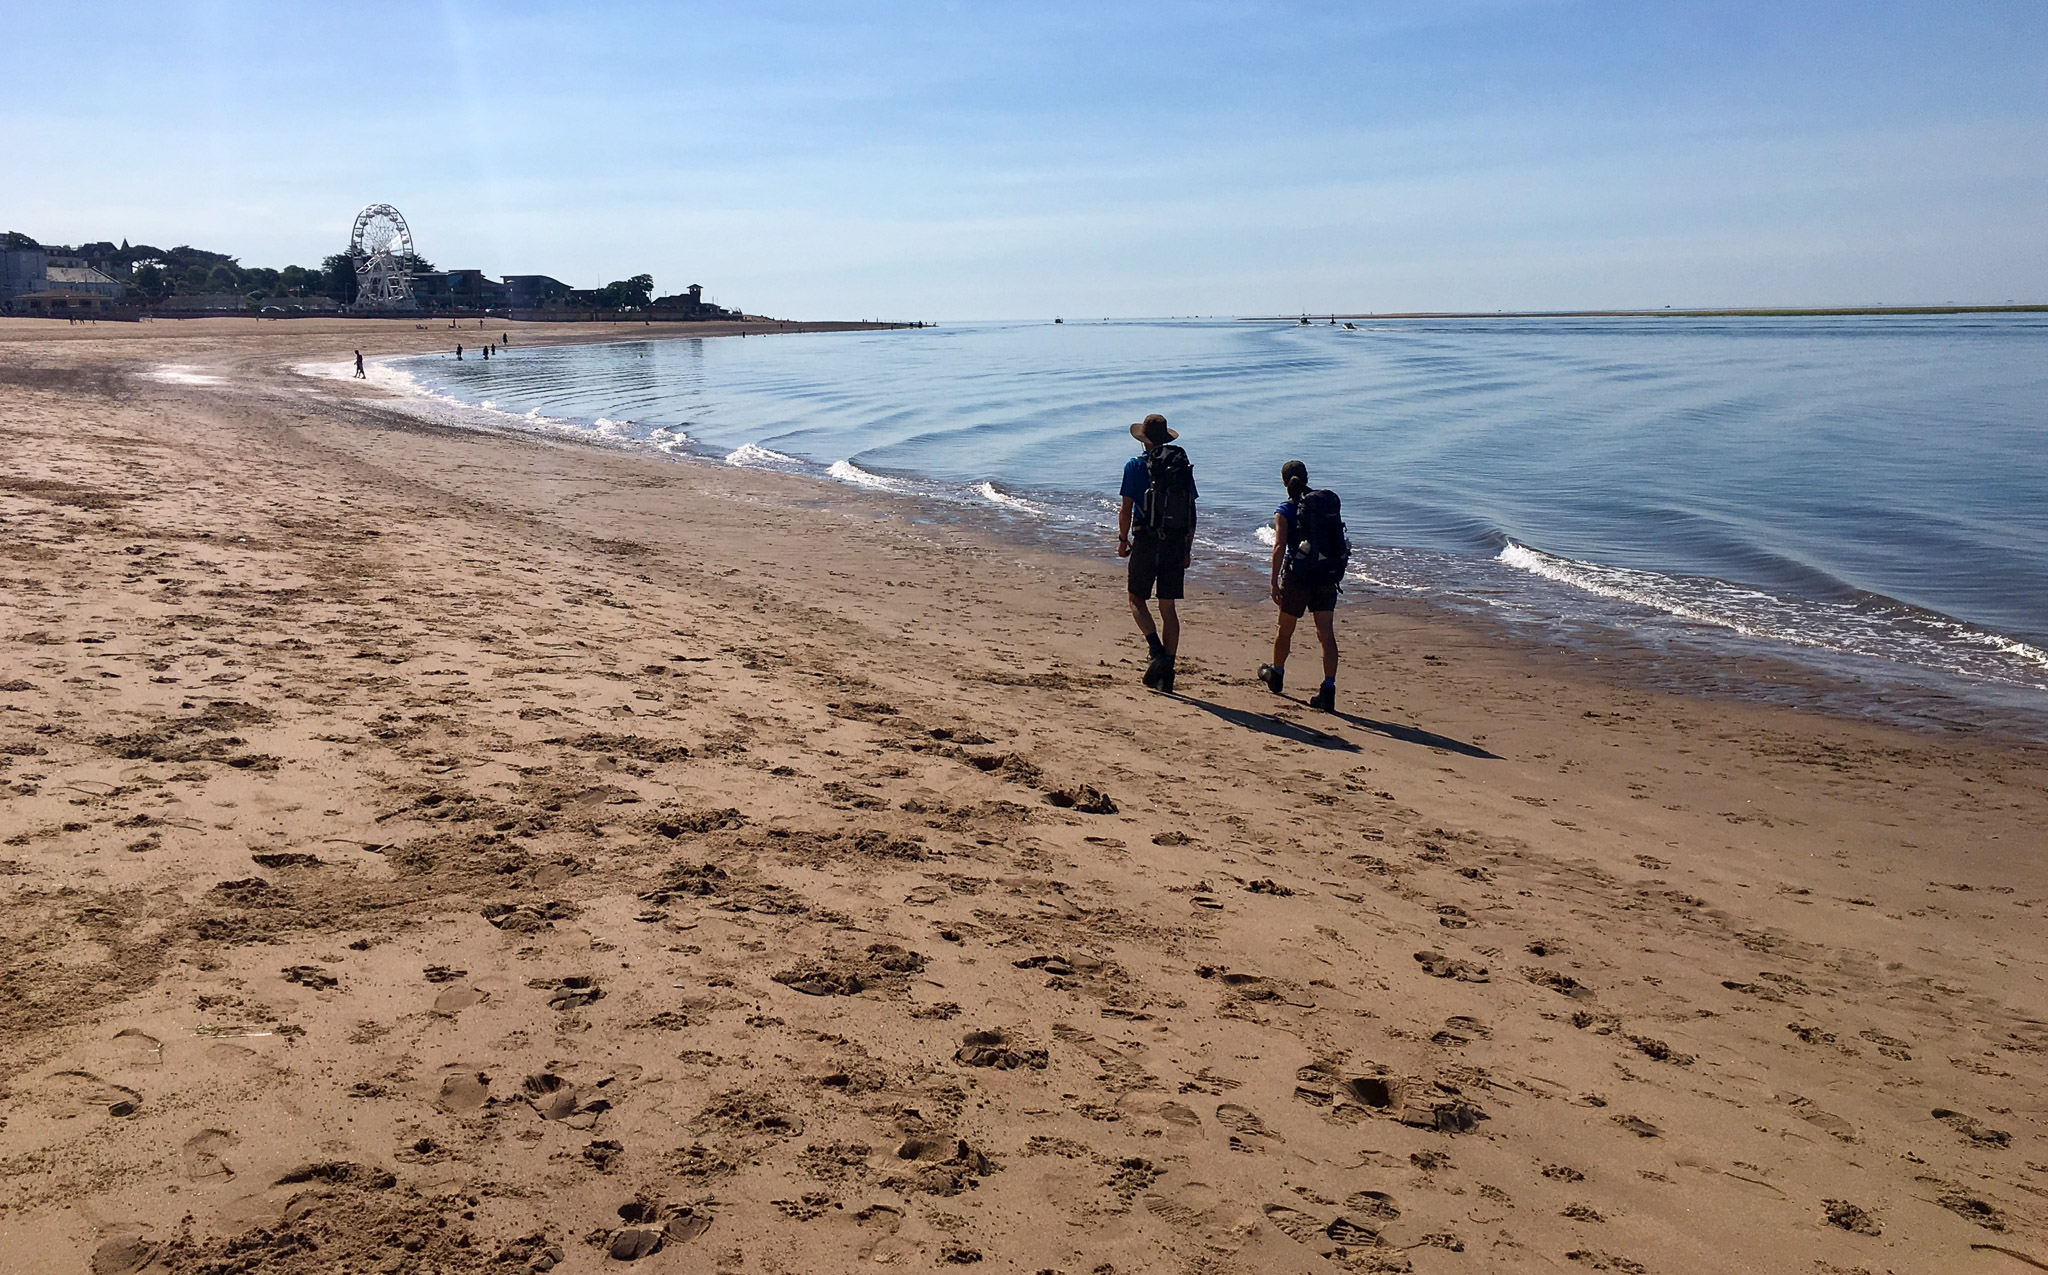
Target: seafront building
34, 282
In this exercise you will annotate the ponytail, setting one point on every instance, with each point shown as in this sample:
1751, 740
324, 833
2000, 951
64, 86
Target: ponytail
1295, 475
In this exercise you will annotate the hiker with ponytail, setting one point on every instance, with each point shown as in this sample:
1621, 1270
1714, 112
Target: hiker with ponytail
1310, 554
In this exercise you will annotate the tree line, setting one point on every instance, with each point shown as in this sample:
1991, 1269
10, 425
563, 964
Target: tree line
158, 274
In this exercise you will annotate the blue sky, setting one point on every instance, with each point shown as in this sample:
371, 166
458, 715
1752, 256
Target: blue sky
949, 161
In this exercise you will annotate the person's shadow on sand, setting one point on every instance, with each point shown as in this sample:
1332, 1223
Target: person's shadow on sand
1267, 724
1280, 728
1417, 735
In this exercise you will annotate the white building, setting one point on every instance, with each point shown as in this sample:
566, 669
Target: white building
69, 274
34, 282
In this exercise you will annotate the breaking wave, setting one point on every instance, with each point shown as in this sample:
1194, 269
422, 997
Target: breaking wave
754, 454
1870, 626
848, 472
997, 496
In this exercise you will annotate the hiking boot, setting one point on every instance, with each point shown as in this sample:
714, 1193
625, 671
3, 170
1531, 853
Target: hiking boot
1166, 677
1272, 677
1324, 699
1160, 667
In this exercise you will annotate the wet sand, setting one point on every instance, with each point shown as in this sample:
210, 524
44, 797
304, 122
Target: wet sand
432, 850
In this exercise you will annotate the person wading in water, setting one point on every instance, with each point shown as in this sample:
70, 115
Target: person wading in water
1310, 554
1155, 529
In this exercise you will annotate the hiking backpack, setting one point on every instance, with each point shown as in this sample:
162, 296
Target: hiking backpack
1320, 552
1170, 499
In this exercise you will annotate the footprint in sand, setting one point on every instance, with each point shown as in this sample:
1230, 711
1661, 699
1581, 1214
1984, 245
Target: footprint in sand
555, 1099
138, 1048
1342, 1232
1460, 1030
1826, 1121
123, 1255
75, 1089
1219, 1219
463, 1089
879, 1224
648, 1229
1244, 1124
1293, 1223
1562, 984
1438, 965
1974, 1131
1352, 1232
201, 1155
1182, 1118
456, 998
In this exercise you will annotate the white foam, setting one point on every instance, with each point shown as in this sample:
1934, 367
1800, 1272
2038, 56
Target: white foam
848, 472
427, 404
1622, 584
2020, 650
1891, 632
1266, 535
667, 439
185, 374
995, 495
752, 454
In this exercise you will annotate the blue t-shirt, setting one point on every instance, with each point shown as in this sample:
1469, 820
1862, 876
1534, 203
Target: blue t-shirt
1286, 515
1138, 481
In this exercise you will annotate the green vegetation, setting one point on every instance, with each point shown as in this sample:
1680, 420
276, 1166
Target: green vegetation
158, 274
162, 275
636, 293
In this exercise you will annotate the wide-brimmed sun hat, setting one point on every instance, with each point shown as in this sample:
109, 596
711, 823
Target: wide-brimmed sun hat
1142, 430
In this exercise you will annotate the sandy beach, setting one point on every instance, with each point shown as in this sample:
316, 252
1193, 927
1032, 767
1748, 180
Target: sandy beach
429, 849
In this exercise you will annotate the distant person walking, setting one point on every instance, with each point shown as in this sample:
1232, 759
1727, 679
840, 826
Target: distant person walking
359, 366
1155, 529
458, 351
1310, 553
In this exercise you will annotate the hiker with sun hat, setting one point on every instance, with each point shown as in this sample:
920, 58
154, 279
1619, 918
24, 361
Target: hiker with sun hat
1155, 530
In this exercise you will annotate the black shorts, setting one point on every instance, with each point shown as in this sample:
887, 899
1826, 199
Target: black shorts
1297, 599
1153, 564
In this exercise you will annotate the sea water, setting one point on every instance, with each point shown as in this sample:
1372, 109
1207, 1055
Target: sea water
1867, 496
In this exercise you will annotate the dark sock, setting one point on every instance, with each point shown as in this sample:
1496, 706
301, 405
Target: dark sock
1329, 683
1157, 647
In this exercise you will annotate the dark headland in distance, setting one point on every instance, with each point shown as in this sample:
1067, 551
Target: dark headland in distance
1770, 312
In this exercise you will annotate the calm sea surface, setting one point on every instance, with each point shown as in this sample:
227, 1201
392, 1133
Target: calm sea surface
1868, 496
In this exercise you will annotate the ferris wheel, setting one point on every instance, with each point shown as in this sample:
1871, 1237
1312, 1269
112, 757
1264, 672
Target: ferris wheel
382, 247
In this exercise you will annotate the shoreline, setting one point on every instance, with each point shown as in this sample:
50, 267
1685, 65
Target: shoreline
468, 838
1663, 651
